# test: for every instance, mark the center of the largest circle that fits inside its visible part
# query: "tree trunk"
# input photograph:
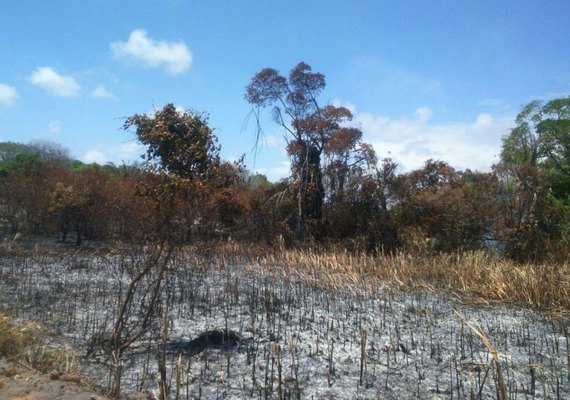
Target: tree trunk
(310, 190)
(78, 233)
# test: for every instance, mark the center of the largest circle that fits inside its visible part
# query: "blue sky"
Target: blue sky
(424, 79)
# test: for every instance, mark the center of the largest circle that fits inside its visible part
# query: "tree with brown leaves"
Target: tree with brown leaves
(309, 128)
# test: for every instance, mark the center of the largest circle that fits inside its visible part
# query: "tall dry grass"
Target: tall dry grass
(24, 342)
(15, 338)
(476, 276)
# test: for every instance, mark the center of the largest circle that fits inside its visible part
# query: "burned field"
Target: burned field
(225, 327)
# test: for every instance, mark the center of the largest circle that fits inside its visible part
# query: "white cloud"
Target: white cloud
(276, 173)
(55, 127)
(412, 141)
(127, 152)
(95, 156)
(174, 56)
(8, 95)
(101, 92)
(349, 106)
(48, 79)
(273, 141)
(423, 114)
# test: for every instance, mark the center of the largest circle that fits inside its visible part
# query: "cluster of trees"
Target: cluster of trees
(338, 191)
(184, 189)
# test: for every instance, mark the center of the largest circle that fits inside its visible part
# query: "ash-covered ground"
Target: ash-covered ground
(272, 335)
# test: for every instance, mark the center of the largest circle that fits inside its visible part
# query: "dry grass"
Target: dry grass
(25, 343)
(15, 338)
(475, 276)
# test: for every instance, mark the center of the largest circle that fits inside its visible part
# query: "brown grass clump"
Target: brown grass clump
(15, 338)
(477, 276)
(24, 343)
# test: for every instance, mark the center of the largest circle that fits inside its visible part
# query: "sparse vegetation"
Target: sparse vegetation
(28, 343)
(15, 339)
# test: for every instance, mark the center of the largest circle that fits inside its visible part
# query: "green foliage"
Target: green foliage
(542, 137)
(521, 146)
(559, 185)
(554, 131)
(9, 150)
(6, 167)
(76, 165)
(181, 143)
(535, 177)
(37, 154)
(256, 180)
(22, 163)
(45, 151)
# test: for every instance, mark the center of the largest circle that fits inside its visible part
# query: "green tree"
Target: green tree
(256, 180)
(178, 142)
(554, 130)
(535, 178)
(43, 150)
(183, 160)
(521, 146)
(541, 138)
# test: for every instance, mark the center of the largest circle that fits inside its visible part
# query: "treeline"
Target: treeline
(338, 192)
